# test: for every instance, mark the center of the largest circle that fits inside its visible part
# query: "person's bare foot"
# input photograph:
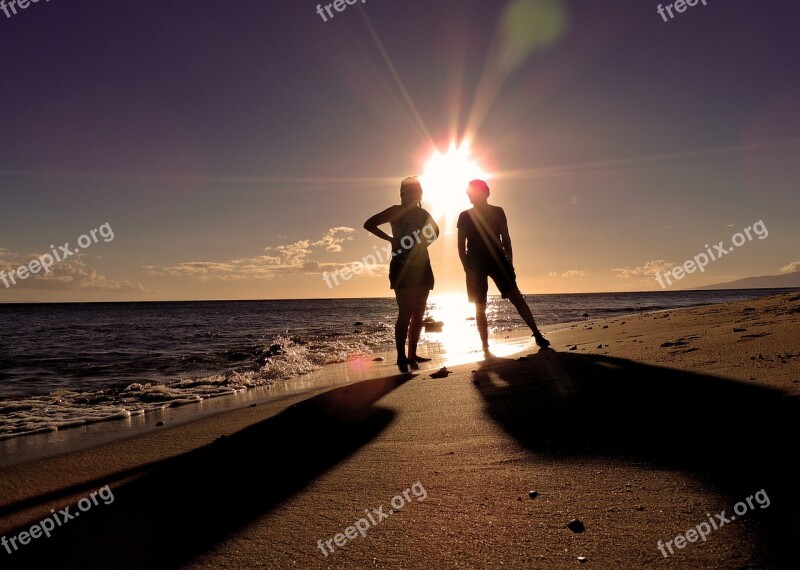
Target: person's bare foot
(541, 342)
(417, 359)
(487, 354)
(402, 365)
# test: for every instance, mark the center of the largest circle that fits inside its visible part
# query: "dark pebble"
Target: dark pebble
(159, 424)
(574, 347)
(533, 494)
(576, 525)
(442, 373)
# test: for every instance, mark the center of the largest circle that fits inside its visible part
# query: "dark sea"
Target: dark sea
(67, 365)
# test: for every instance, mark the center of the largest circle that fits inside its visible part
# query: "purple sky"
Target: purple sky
(232, 146)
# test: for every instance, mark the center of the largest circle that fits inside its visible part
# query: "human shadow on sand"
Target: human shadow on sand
(183, 506)
(732, 435)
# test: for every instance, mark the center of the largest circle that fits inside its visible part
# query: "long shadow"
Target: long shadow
(185, 505)
(738, 437)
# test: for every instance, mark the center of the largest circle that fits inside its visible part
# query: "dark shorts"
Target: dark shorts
(410, 275)
(502, 274)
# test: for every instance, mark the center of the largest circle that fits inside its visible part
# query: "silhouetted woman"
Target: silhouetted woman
(410, 273)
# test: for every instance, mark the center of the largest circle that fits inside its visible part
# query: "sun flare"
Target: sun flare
(445, 178)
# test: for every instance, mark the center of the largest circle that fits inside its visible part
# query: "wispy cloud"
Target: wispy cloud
(334, 238)
(791, 268)
(292, 258)
(68, 275)
(648, 269)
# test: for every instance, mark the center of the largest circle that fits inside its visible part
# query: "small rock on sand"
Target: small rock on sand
(441, 373)
(576, 525)
(379, 359)
(533, 494)
(574, 347)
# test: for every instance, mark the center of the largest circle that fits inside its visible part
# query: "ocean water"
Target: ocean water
(66, 365)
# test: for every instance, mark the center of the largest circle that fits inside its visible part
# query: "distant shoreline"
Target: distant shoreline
(654, 291)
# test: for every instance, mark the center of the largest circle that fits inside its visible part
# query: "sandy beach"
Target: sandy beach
(641, 427)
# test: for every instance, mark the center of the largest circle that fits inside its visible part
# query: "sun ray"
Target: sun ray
(367, 181)
(423, 129)
(567, 169)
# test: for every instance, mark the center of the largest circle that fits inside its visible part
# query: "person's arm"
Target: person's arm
(430, 223)
(462, 247)
(372, 224)
(505, 238)
(507, 243)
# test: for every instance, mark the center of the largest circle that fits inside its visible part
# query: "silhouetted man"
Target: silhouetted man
(484, 247)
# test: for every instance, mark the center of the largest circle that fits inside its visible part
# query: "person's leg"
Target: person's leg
(483, 325)
(524, 311)
(404, 305)
(420, 302)
(477, 292)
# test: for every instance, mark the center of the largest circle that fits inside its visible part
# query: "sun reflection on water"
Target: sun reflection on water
(459, 342)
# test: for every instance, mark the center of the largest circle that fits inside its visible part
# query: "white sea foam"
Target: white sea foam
(64, 409)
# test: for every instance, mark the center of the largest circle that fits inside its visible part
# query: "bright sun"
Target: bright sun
(445, 179)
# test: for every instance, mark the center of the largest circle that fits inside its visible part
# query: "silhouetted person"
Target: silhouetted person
(484, 247)
(410, 273)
